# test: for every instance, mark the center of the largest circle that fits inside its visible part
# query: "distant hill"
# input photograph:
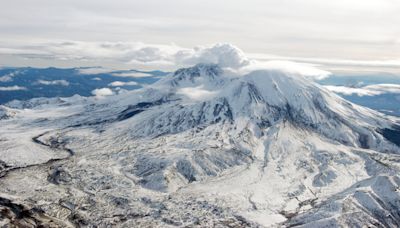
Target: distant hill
(26, 83)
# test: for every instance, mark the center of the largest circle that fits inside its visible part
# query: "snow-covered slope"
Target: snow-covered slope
(204, 146)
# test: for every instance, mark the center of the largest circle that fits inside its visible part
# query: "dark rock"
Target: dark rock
(59, 176)
(392, 135)
(133, 110)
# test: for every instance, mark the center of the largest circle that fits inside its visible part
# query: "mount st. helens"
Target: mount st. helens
(204, 146)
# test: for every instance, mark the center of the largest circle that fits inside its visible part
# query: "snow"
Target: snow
(6, 112)
(205, 145)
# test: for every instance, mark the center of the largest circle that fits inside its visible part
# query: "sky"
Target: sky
(341, 35)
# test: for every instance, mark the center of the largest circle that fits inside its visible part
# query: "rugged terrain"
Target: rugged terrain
(204, 146)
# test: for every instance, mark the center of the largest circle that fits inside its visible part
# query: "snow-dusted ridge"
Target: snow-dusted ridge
(264, 148)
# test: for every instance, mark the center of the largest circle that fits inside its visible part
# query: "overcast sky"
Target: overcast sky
(91, 32)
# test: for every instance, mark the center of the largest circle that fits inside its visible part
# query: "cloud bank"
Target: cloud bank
(164, 57)
(307, 70)
(12, 88)
(370, 90)
(132, 54)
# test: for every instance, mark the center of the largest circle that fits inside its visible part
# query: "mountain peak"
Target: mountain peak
(191, 74)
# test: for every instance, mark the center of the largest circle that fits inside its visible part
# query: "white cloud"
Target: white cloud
(132, 74)
(370, 90)
(330, 61)
(119, 83)
(8, 77)
(387, 88)
(389, 65)
(102, 92)
(94, 70)
(12, 88)
(350, 91)
(197, 93)
(307, 70)
(135, 54)
(170, 56)
(223, 54)
(55, 82)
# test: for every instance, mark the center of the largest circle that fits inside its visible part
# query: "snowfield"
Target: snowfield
(203, 147)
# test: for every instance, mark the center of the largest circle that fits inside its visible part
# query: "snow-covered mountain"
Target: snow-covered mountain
(202, 147)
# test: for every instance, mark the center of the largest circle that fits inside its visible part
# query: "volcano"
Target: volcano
(205, 146)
